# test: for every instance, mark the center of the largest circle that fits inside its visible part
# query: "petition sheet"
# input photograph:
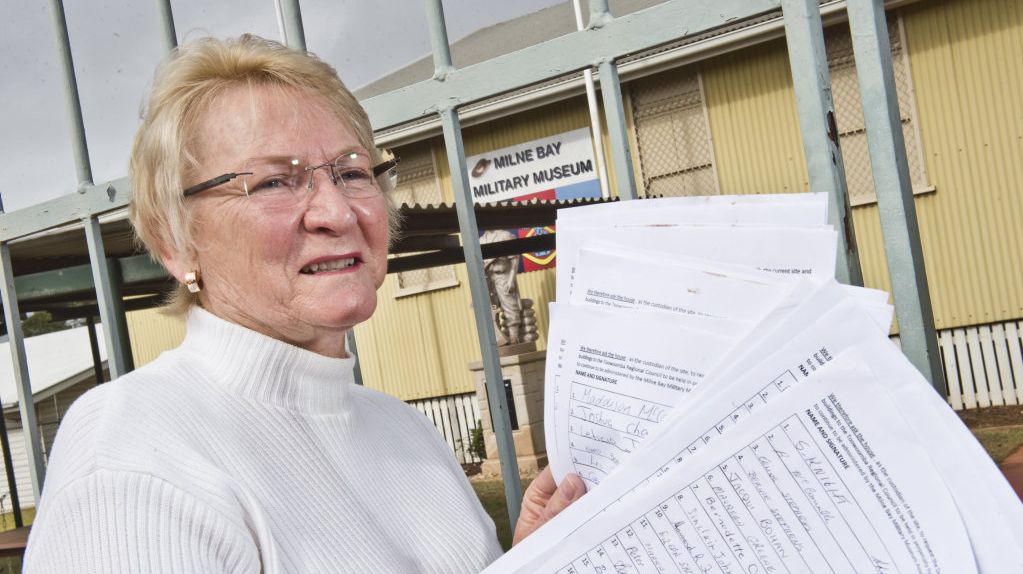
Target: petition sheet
(786, 207)
(687, 288)
(685, 285)
(790, 350)
(610, 383)
(825, 480)
(740, 213)
(989, 506)
(801, 251)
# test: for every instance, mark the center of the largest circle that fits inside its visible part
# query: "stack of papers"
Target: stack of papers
(732, 408)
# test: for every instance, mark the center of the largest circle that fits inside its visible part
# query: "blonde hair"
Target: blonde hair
(164, 153)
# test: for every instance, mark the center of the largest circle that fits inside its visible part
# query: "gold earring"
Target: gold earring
(192, 281)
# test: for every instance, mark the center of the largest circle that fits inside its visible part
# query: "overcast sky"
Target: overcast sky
(116, 45)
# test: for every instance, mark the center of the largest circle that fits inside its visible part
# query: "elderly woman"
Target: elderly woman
(248, 448)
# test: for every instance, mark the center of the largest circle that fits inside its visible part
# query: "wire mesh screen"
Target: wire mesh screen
(849, 112)
(418, 185)
(672, 136)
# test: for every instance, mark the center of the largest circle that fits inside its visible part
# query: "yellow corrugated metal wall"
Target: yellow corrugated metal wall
(757, 142)
(420, 345)
(967, 63)
(752, 114)
(965, 57)
(151, 333)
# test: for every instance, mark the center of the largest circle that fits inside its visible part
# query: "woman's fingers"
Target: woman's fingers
(568, 492)
(544, 499)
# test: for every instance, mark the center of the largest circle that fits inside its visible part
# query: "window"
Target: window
(676, 156)
(849, 113)
(417, 185)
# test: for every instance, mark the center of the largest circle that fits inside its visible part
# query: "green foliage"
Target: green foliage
(477, 446)
(41, 322)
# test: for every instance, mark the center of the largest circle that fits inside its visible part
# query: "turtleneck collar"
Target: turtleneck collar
(265, 370)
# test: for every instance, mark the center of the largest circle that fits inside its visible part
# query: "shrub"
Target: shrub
(477, 446)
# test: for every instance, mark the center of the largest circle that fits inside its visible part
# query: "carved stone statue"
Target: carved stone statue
(514, 318)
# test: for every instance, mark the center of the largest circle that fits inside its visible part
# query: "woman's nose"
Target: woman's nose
(328, 209)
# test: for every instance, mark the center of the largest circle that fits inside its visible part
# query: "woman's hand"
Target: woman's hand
(544, 499)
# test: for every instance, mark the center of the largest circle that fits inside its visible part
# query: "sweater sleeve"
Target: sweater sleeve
(123, 522)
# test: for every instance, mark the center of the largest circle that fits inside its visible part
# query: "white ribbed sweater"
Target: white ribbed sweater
(239, 453)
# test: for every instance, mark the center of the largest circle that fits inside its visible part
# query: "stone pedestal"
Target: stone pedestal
(526, 373)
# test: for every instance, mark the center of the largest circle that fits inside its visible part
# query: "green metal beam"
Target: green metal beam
(72, 282)
(70, 208)
(611, 39)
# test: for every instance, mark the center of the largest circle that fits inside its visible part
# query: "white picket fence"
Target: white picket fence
(454, 416)
(983, 364)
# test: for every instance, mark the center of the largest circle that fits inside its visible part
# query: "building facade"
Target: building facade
(718, 116)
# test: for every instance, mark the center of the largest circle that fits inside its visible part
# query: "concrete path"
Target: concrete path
(1012, 468)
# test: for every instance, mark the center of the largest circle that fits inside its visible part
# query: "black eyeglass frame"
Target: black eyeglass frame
(378, 170)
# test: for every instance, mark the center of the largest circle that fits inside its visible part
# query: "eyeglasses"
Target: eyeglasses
(282, 180)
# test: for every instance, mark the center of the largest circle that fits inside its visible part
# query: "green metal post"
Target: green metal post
(111, 314)
(354, 350)
(5, 445)
(74, 105)
(894, 189)
(474, 265)
(600, 14)
(26, 404)
(614, 112)
(170, 35)
(111, 310)
(12, 482)
(809, 63)
(294, 33)
(481, 310)
(97, 361)
(438, 39)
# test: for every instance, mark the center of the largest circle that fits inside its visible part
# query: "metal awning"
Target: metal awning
(429, 234)
(53, 272)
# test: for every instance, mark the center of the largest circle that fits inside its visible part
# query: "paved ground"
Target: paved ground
(1012, 468)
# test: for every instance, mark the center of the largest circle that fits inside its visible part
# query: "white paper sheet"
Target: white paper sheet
(681, 286)
(786, 208)
(989, 506)
(664, 281)
(794, 214)
(810, 331)
(826, 480)
(806, 251)
(610, 383)
(810, 444)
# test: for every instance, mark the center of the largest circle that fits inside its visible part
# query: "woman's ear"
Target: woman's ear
(177, 264)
